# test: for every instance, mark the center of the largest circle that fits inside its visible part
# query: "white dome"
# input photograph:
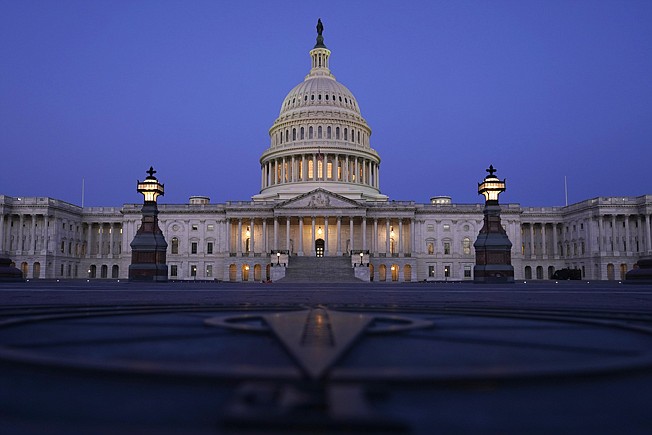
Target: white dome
(320, 93)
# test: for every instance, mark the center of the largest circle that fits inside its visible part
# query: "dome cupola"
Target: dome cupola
(320, 139)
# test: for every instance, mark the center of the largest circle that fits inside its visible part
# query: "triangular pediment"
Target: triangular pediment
(319, 198)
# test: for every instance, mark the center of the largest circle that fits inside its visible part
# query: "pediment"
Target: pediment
(319, 198)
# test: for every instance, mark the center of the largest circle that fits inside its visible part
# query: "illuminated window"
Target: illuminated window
(447, 227)
(210, 227)
(209, 270)
(466, 245)
(329, 170)
(447, 271)
(193, 270)
(467, 271)
(431, 248)
(430, 227)
(310, 170)
(320, 169)
(301, 170)
(431, 271)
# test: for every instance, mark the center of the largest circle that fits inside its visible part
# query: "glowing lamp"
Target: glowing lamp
(361, 256)
(150, 187)
(248, 233)
(319, 231)
(491, 186)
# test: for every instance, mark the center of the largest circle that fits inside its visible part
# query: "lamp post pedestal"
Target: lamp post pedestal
(493, 250)
(148, 249)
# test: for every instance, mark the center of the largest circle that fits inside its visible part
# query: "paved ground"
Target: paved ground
(109, 357)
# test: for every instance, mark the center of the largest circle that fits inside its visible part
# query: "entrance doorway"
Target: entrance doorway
(319, 247)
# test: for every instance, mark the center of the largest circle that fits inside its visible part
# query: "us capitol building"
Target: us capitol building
(320, 197)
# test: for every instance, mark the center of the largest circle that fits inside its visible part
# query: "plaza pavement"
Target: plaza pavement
(121, 357)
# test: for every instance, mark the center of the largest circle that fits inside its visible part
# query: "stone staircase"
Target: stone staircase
(319, 269)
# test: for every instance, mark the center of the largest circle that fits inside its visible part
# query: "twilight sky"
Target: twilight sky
(100, 90)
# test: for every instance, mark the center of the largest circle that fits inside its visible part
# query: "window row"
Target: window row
(320, 97)
(302, 133)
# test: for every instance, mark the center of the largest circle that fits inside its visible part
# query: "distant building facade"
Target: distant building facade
(320, 196)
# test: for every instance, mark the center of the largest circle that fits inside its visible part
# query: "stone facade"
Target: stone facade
(320, 190)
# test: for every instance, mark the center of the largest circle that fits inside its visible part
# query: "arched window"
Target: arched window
(528, 272)
(352, 135)
(294, 134)
(319, 97)
(302, 133)
(309, 132)
(358, 136)
(287, 135)
(345, 134)
(328, 132)
(319, 132)
(337, 132)
(326, 97)
(175, 245)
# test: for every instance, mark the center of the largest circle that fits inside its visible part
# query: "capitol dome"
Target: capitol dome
(320, 140)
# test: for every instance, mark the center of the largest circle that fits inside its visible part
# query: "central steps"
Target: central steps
(319, 269)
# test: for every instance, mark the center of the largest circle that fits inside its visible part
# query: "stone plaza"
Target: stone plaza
(203, 357)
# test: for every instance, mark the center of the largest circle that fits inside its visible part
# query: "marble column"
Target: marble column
(326, 236)
(264, 237)
(101, 232)
(387, 237)
(339, 235)
(627, 245)
(312, 238)
(351, 234)
(2, 233)
(648, 241)
(89, 242)
(300, 236)
(412, 237)
(252, 245)
(275, 233)
(614, 234)
(400, 238)
(20, 233)
(532, 248)
(32, 236)
(239, 246)
(364, 233)
(228, 235)
(111, 240)
(287, 234)
(375, 237)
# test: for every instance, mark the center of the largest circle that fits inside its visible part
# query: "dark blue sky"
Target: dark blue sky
(101, 90)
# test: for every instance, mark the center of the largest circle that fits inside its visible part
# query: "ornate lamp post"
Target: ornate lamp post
(361, 257)
(493, 257)
(148, 249)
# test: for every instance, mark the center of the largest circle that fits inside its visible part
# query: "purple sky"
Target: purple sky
(101, 90)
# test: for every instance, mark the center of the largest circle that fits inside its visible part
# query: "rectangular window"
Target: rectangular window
(431, 227)
(173, 270)
(69, 270)
(310, 170)
(193, 270)
(329, 170)
(467, 271)
(447, 271)
(193, 247)
(447, 248)
(447, 227)
(194, 227)
(63, 248)
(301, 169)
(320, 169)
(209, 270)
(431, 271)
(210, 227)
(339, 172)
(209, 248)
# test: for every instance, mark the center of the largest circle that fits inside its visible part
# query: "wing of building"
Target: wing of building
(320, 197)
